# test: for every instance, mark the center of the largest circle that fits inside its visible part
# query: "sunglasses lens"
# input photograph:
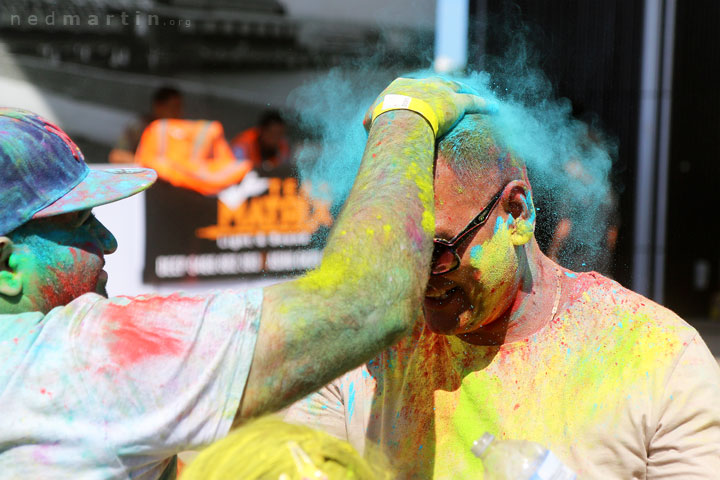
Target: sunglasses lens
(443, 259)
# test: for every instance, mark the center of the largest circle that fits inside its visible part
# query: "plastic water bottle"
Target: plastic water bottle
(518, 460)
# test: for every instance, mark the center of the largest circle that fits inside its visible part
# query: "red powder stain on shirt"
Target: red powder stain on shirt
(517, 405)
(133, 339)
(134, 342)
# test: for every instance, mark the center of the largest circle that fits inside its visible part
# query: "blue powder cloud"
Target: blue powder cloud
(568, 162)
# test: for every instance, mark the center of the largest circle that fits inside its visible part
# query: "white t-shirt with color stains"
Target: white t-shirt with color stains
(616, 386)
(113, 388)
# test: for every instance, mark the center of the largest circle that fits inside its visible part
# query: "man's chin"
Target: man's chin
(441, 326)
(451, 324)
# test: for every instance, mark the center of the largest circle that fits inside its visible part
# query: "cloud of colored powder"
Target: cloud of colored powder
(568, 161)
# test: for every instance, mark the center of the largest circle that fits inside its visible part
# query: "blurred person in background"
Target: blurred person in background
(269, 448)
(265, 145)
(167, 102)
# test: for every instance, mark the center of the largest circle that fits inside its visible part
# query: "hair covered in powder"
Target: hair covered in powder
(478, 157)
(530, 124)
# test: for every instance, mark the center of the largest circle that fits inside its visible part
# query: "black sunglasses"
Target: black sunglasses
(444, 258)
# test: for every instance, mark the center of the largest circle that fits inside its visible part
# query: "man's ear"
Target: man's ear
(517, 202)
(10, 278)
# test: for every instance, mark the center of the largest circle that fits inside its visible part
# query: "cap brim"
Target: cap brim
(100, 187)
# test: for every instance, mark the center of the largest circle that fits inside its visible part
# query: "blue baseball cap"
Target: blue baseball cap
(43, 173)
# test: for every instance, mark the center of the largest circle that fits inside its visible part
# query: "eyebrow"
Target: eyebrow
(489, 206)
(447, 234)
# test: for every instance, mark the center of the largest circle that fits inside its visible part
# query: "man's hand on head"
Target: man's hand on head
(446, 100)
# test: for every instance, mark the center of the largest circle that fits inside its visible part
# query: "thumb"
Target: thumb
(476, 104)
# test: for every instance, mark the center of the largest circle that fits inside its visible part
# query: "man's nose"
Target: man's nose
(107, 239)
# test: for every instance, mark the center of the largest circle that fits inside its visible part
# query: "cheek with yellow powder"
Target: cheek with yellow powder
(492, 261)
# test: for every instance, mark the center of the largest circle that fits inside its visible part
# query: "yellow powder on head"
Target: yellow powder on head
(269, 448)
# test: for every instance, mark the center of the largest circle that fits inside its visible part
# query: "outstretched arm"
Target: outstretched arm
(367, 290)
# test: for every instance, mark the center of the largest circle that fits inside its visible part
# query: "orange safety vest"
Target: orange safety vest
(191, 154)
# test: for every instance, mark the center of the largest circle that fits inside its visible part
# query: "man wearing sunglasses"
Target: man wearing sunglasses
(512, 344)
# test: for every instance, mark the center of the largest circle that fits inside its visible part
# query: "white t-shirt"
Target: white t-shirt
(113, 388)
(616, 386)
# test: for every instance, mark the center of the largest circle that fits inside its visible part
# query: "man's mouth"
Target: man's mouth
(443, 304)
(440, 294)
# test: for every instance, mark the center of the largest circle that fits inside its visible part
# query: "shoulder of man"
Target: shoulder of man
(612, 302)
(632, 329)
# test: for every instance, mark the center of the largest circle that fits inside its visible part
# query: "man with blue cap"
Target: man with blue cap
(96, 387)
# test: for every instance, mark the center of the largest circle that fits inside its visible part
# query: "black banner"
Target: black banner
(264, 226)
